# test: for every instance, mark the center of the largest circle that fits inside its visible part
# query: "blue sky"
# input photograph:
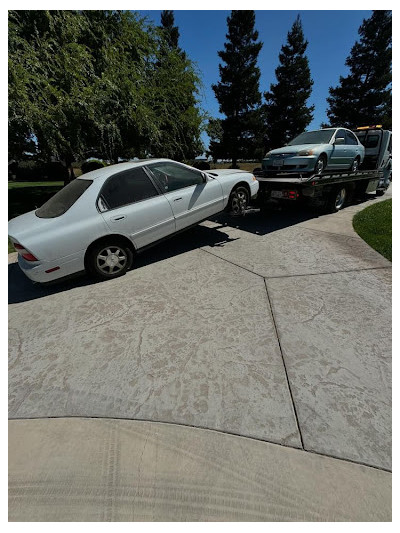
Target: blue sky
(330, 34)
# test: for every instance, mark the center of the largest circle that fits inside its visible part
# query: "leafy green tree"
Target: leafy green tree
(364, 97)
(287, 113)
(174, 96)
(238, 91)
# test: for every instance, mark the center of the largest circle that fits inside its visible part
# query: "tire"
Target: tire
(336, 200)
(380, 192)
(238, 201)
(109, 259)
(355, 165)
(320, 165)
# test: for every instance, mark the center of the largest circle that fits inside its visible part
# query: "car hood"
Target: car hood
(224, 172)
(25, 226)
(294, 149)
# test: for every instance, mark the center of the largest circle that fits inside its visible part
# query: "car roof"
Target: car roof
(105, 172)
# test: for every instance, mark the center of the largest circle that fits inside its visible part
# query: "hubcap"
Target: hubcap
(340, 198)
(320, 166)
(111, 260)
(239, 202)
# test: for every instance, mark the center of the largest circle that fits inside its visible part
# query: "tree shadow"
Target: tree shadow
(21, 289)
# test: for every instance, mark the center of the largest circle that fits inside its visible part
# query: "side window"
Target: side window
(350, 138)
(171, 177)
(127, 187)
(340, 133)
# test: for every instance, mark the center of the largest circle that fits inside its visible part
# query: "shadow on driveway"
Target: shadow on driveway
(21, 289)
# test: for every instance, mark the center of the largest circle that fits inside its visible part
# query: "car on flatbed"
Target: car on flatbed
(317, 151)
(100, 220)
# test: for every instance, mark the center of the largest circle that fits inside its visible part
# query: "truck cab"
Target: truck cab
(378, 149)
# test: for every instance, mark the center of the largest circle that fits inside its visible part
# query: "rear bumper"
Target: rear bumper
(36, 271)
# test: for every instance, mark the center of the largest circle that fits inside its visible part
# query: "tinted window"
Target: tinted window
(312, 137)
(341, 134)
(372, 140)
(63, 199)
(361, 136)
(351, 138)
(171, 177)
(127, 187)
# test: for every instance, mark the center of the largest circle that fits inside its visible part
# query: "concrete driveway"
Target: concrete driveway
(276, 328)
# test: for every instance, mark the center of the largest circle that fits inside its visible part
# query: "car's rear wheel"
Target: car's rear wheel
(355, 165)
(109, 259)
(320, 165)
(238, 201)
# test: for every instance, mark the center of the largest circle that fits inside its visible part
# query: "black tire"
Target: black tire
(238, 201)
(380, 192)
(320, 165)
(109, 259)
(336, 200)
(355, 165)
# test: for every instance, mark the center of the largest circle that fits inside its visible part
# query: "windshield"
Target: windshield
(313, 137)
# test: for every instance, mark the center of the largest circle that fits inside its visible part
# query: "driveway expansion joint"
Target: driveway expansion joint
(284, 364)
(203, 428)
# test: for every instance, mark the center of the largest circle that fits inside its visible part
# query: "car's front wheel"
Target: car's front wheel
(238, 201)
(320, 164)
(109, 259)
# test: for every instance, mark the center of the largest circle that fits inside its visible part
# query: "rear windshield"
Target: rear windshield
(313, 137)
(63, 199)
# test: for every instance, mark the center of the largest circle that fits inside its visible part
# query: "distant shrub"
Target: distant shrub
(94, 164)
(55, 171)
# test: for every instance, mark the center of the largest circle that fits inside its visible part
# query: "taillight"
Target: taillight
(24, 253)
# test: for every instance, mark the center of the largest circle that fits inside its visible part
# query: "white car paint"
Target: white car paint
(62, 241)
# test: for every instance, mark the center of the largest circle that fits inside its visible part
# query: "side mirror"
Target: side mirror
(339, 140)
(204, 176)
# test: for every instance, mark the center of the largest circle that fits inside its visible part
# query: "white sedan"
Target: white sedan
(101, 220)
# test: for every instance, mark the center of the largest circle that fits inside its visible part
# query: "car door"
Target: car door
(131, 205)
(339, 156)
(193, 196)
(353, 147)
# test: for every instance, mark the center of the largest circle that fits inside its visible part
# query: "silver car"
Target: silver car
(101, 220)
(316, 151)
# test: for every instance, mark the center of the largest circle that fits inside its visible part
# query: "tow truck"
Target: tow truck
(332, 190)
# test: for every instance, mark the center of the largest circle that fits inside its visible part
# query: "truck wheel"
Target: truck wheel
(336, 200)
(238, 201)
(320, 164)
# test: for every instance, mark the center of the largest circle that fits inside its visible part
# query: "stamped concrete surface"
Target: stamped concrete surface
(123, 470)
(272, 327)
(187, 339)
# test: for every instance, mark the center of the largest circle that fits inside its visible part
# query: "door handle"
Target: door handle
(117, 218)
(177, 199)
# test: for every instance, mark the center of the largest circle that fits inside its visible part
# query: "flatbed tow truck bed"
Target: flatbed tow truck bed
(330, 189)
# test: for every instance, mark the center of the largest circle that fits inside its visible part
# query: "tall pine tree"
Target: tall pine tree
(287, 113)
(170, 31)
(238, 92)
(364, 96)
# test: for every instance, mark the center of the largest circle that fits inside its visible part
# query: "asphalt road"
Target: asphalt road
(276, 328)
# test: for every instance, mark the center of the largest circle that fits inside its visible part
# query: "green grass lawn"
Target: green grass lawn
(374, 225)
(26, 196)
